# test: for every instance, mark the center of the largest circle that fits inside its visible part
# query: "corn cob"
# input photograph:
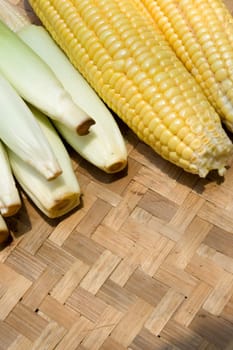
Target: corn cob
(128, 62)
(201, 34)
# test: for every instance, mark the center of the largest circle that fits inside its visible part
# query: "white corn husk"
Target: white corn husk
(21, 133)
(104, 146)
(36, 82)
(58, 196)
(10, 201)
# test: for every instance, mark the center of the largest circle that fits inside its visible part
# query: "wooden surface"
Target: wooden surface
(146, 263)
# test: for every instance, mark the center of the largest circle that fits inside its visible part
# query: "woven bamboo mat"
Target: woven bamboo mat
(146, 263)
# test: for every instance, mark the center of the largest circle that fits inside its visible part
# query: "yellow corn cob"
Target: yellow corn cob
(201, 34)
(132, 67)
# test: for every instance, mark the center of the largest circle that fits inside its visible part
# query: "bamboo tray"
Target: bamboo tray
(145, 263)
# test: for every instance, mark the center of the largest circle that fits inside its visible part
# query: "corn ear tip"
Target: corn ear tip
(53, 175)
(10, 211)
(64, 207)
(84, 127)
(116, 167)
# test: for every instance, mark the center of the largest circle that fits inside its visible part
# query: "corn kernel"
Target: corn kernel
(131, 66)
